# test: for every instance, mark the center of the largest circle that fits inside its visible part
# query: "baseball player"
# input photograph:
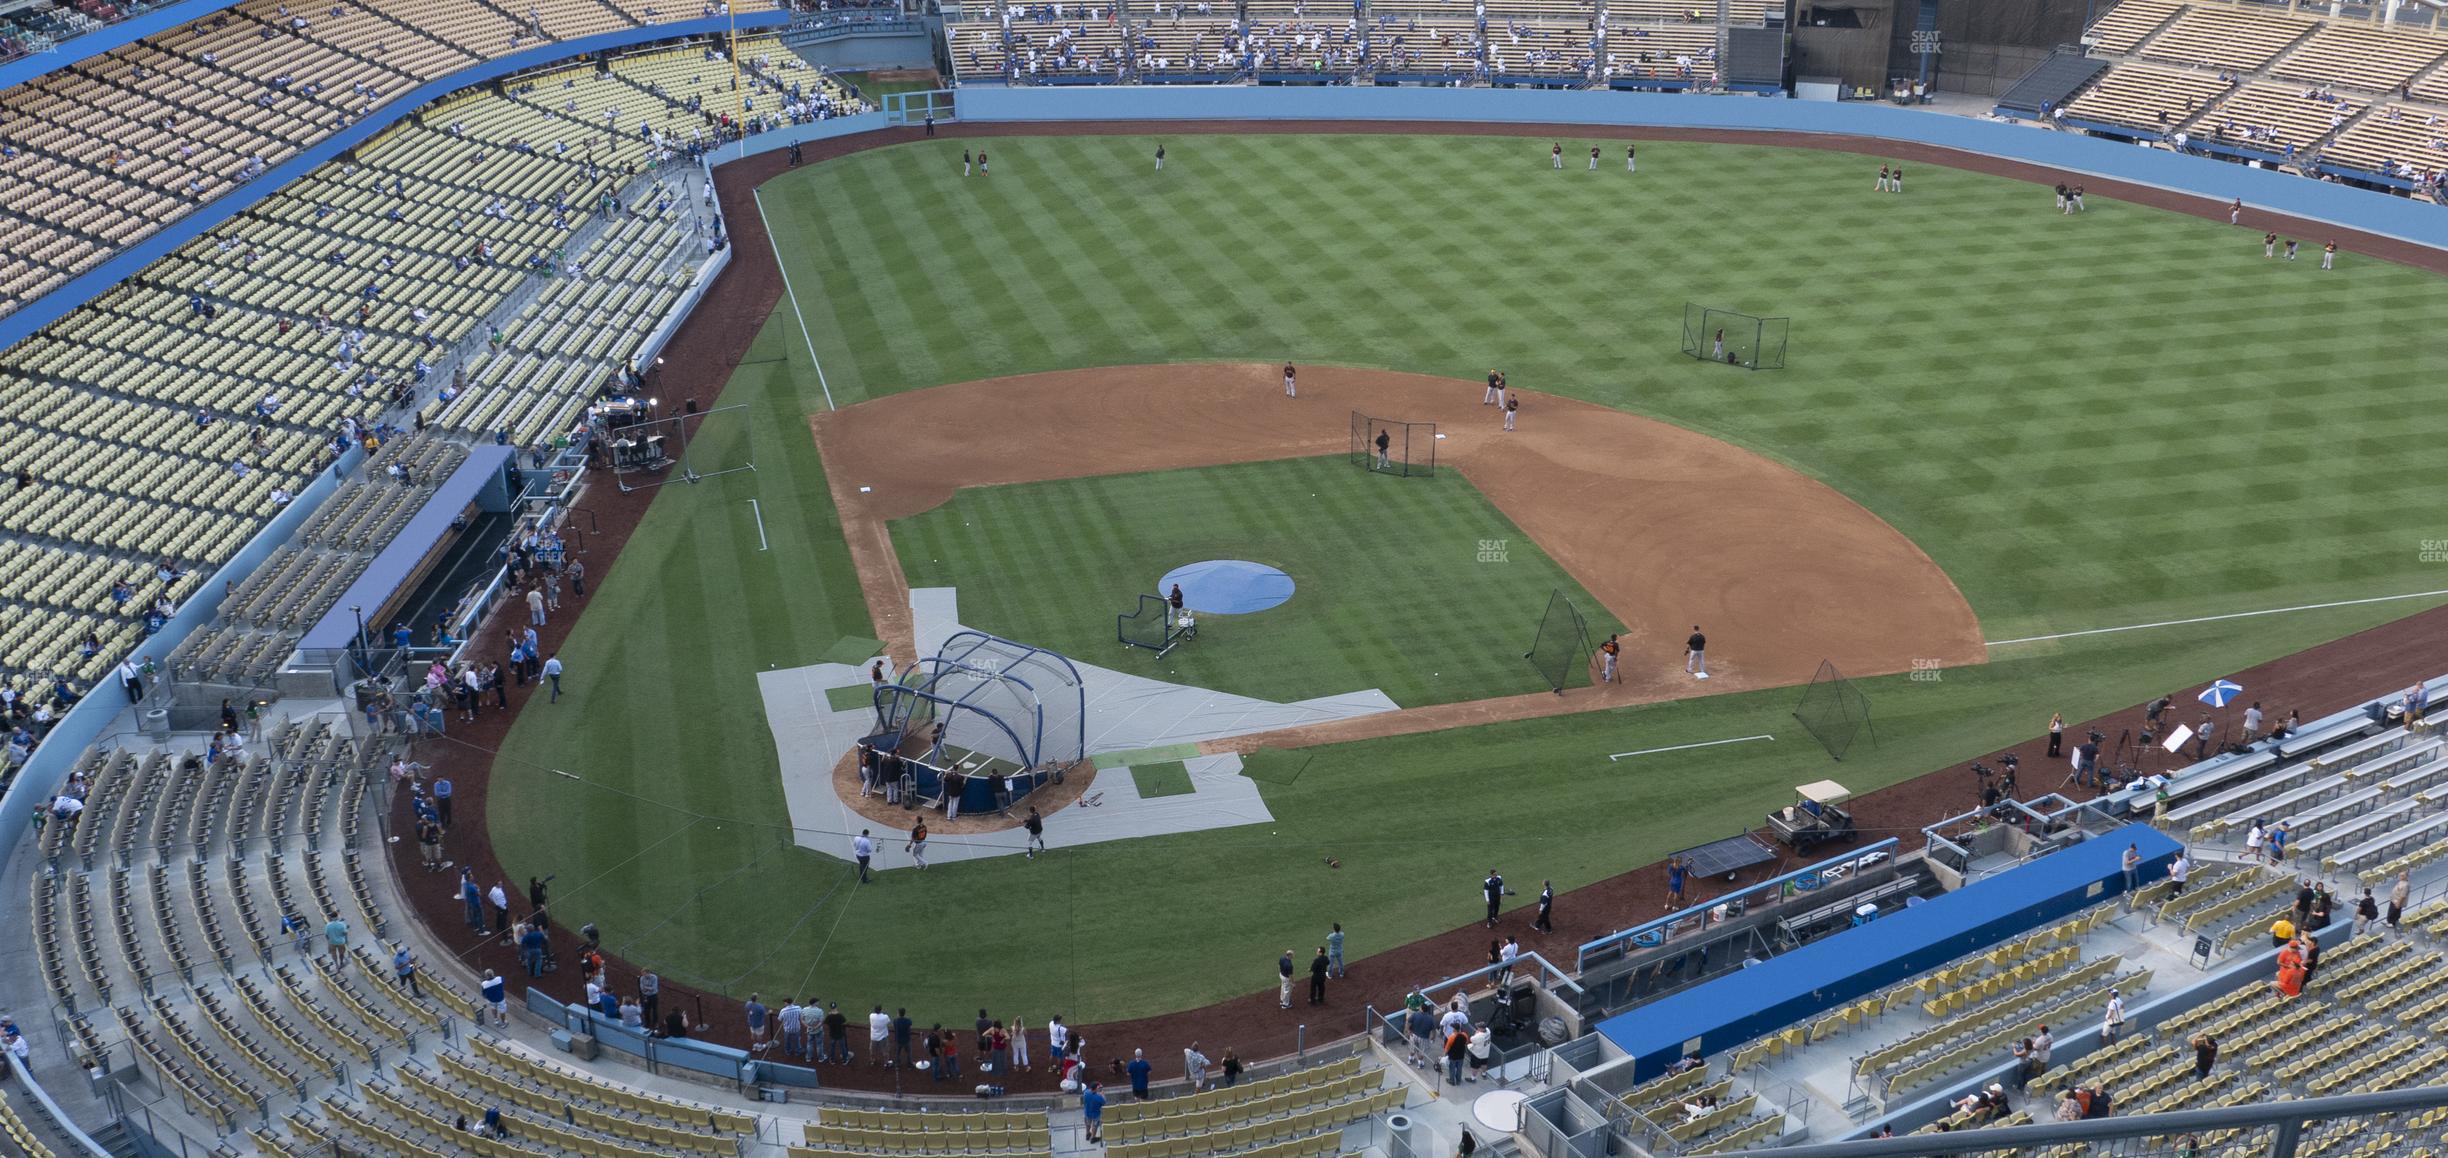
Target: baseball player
(2329, 255)
(2062, 194)
(1717, 350)
(1607, 653)
(2078, 205)
(1160, 156)
(2290, 249)
(967, 162)
(1631, 154)
(2235, 212)
(1558, 154)
(2269, 244)
(1290, 390)
(1384, 441)
(1593, 158)
(1695, 653)
(1495, 390)
(1895, 184)
(981, 162)
(1882, 181)
(1512, 406)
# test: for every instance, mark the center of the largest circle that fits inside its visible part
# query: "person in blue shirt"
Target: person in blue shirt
(1092, 1108)
(404, 969)
(401, 637)
(442, 801)
(473, 898)
(1139, 1070)
(531, 951)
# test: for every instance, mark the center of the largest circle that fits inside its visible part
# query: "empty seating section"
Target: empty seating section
(2274, 118)
(1659, 39)
(2367, 1022)
(2398, 140)
(165, 419)
(2147, 97)
(2217, 36)
(2125, 25)
(2360, 56)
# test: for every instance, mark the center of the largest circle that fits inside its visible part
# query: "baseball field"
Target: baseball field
(1999, 425)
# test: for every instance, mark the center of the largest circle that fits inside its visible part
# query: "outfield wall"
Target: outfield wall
(2407, 220)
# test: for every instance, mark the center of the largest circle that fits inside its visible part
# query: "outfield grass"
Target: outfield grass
(2111, 418)
(1392, 589)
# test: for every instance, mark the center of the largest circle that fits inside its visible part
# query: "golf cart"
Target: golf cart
(1818, 816)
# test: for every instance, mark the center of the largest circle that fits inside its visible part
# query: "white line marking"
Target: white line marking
(759, 512)
(1680, 747)
(2216, 618)
(794, 295)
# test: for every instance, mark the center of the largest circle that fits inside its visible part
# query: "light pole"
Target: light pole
(359, 612)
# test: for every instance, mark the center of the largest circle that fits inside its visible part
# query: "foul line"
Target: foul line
(759, 512)
(779, 268)
(1680, 747)
(2216, 618)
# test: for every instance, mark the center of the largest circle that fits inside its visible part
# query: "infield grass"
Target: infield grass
(1394, 586)
(2117, 417)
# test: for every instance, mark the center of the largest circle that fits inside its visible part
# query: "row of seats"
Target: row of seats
(1292, 1101)
(1227, 1097)
(1307, 1132)
(386, 246)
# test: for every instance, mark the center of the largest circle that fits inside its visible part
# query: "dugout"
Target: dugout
(1791, 987)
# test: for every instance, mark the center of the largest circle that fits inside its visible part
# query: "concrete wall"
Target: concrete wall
(860, 51)
(2380, 213)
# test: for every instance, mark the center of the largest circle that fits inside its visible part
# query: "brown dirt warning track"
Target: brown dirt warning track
(1666, 527)
(717, 334)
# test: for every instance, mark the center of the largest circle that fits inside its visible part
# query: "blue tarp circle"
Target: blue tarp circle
(1227, 586)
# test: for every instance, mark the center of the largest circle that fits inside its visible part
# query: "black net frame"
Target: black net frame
(1410, 450)
(1735, 339)
(1561, 649)
(1834, 711)
(1150, 626)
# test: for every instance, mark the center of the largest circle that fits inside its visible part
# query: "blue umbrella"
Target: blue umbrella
(2219, 694)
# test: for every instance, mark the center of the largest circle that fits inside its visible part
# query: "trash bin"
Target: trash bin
(1398, 1127)
(157, 722)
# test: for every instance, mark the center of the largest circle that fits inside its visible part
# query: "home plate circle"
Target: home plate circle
(1227, 586)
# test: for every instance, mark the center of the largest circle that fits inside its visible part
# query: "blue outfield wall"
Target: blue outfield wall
(1834, 970)
(131, 261)
(2076, 155)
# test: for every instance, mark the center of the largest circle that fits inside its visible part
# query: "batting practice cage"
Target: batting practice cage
(1410, 447)
(1562, 648)
(1834, 711)
(1153, 626)
(1753, 343)
(984, 716)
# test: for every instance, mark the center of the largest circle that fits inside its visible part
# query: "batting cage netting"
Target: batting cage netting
(1562, 648)
(1834, 711)
(1404, 449)
(1753, 343)
(1152, 626)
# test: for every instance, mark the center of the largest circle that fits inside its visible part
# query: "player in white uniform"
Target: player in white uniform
(1558, 154)
(1631, 153)
(1495, 390)
(1290, 390)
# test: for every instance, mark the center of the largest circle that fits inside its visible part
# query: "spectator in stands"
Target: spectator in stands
(2398, 894)
(757, 1016)
(2205, 1054)
(2290, 980)
(2178, 870)
(2133, 868)
(1092, 1111)
(404, 969)
(632, 1014)
(2303, 902)
(650, 995)
(496, 997)
(1457, 1049)
(2069, 1105)
(2112, 1023)
(2311, 955)
(335, 941)
(1194, 1068)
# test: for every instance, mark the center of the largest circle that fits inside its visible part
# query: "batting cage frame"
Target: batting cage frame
(994, 697)
(1154, 626)
(1737, 339)
(1562, 646)
(1834, 711)
(1410, 450)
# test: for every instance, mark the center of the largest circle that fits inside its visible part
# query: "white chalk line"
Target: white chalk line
(2217, 618)
(1681, 747)
(759, 512)
(784, 270)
